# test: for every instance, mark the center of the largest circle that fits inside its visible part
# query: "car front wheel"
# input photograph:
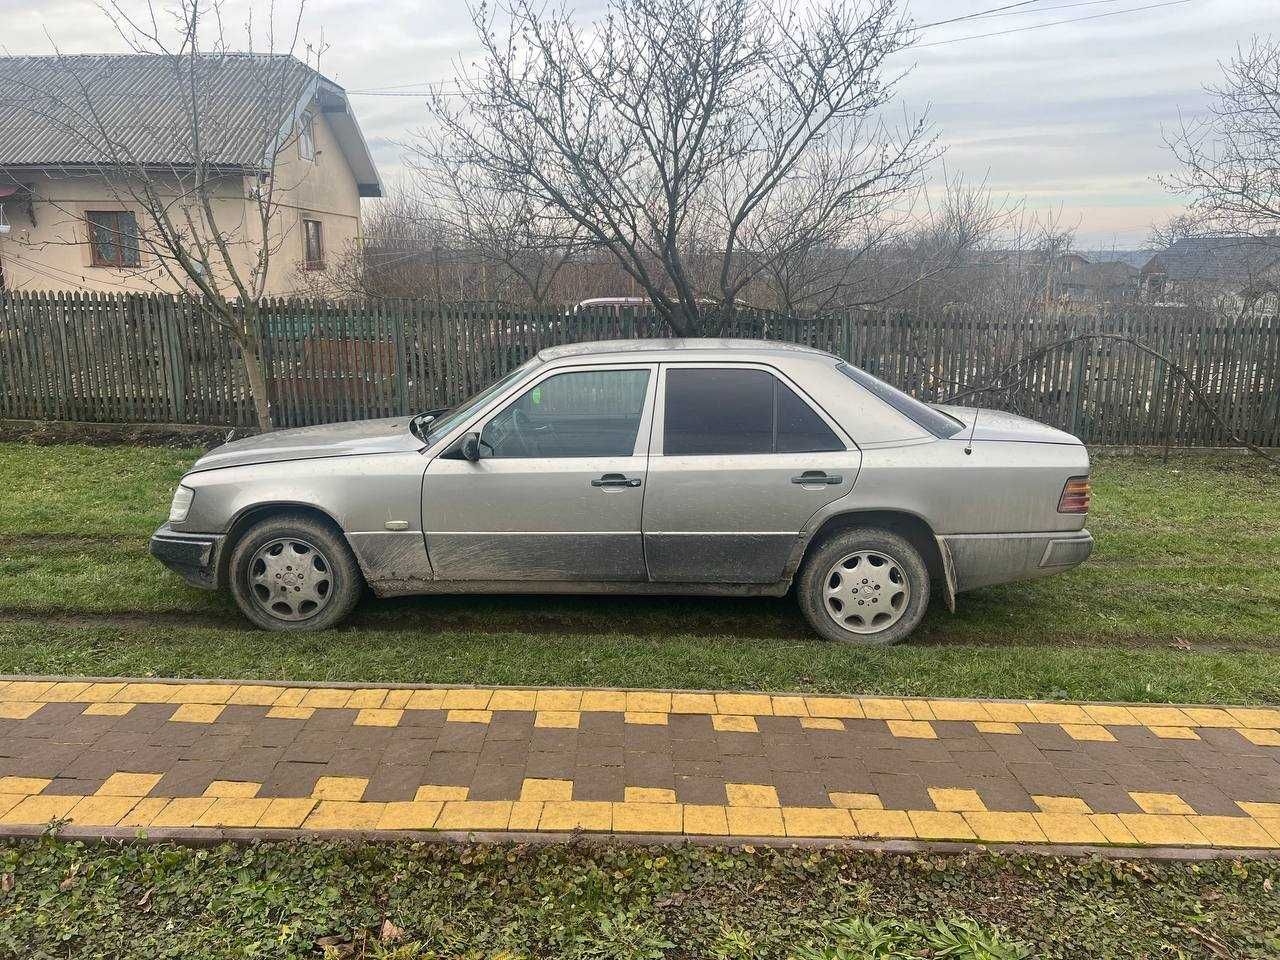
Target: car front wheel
(293, 573)
(864, 586)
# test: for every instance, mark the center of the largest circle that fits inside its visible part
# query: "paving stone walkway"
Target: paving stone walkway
(177, 758)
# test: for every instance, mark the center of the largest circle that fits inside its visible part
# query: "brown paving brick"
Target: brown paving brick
(946, 774)
(1043, 779)
(461, 737)
(187, 778)
(899, 791)
(700, 790)
(697, 768)
(599, 784)
(646, 738)
(691, 726)
(450, 768)
(1106, 798)
(543, 765)
(599, 723)
(590, 755)
(290, 779)
(745, 769)
(728, 743)
(553, 739)
(801, 790)
(504, 751)
(67, 786)
(391, 784)
(494, 781)
(1007, 796)
(510, 725)
(1014, 748)
(648, 770)
(794, 760)
(407, 751)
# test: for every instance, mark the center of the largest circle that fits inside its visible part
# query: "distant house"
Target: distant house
(1214, 270)
(66, 216)
(1075, 278)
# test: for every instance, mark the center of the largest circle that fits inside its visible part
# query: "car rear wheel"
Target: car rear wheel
(293, 573)
(865, 586)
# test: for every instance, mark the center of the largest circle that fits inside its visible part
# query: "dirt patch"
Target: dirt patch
(175, 436)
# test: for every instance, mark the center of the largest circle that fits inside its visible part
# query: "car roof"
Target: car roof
(684, 345)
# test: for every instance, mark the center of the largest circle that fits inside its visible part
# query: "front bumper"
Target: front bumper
(193, 556)
(984, 559)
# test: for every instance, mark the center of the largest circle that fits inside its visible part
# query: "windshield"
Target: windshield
(451, 418)
(932, 419)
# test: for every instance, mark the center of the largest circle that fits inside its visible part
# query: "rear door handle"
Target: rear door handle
(816, 477)
(615, 480)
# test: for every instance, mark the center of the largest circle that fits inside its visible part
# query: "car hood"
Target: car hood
(998, 425)
(391, 435)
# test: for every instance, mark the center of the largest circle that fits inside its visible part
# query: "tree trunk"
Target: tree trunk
(251, 353)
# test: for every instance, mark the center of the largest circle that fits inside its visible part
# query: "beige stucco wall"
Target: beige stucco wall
(53, 252)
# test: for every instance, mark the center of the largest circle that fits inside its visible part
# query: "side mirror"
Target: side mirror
(471, 446)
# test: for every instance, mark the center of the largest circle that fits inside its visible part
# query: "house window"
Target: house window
(113, 238)
(306, 138)
(312, 245)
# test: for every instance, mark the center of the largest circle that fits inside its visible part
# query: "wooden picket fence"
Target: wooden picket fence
(159, 359)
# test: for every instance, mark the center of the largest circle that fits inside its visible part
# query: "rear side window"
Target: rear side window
(932, 419)
(738, 411)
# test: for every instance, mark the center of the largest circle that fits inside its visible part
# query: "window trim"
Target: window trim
(307, 262)
(656, 447)
(118, 264)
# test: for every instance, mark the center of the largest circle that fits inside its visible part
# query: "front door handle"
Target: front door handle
(816, 477)
(615, 480)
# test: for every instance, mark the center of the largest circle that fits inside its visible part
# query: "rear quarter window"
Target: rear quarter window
(932, 419)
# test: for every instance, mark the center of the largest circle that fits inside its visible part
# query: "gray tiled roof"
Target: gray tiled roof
(1217, 258)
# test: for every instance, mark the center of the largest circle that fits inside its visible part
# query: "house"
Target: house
(83, 138)
(1236, 271)
(1076, 278)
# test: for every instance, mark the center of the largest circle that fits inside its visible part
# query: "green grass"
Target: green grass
(66, 900)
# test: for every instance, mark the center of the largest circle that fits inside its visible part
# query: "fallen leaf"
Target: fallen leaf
(390, 933)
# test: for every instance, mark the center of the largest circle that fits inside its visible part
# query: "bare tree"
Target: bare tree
(683, 136)
(208, 171)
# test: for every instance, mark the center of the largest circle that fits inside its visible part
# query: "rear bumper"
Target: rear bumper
(193, 556)
(984, 559)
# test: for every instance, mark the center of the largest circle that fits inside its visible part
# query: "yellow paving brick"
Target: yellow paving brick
(734, 723)
(467, 699)
(1210, 717)
(203, 693)
(101, 811)
(1111, 714)
(959, 710)
(10, 800)
(1263, 811)
(234, 812)
(817, 822)
(345, 815)
(525, 815)
(647, 701)
(693, 703)
(536, 789)
(939, 825)
(100, 709)
(919, 709)
(1262, 737)
(27, 689)
(566, 719)
(286, 813)
(1272, 826)
(705, 820)
(255, 695)
(609, 701)
(757, 704)
(887, 824)
(1162, 830)
(66, 691)
(425, 700)
(512, 699)
(1255, 716)
(1006, 712)
(1232, 831)
(558, 700)
(18, 709)
(856, 801)
(182, 812)
(232, 788)
(1175, 733)
(33, 810)
(996, 726)
(368, 699)
(291, 696)
(23, 786)
(340, 788)
(1088, 731)
(1161, 803)
(1161, 716)
(956, 800)
(846, 708)
(291, 713)
(325, 698)
(789, 706)
(649, 795)
(755, 822)
(378, 717)
(1058, 713)
(633, 817)
(143, 811)
(397, 699)
(1112, 829)
(878, 708)
(1069, 828)
(751, 795)
(102, 692)
(475, 815)
(1060, 804)
(821, 723)
(469, 716)
(128, 784)
(410, 815)
(646, 718)
(1005, 827)
(197, 713)
(430, 791)
(913, 729)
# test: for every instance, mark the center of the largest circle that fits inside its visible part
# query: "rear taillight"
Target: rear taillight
(1075, 496)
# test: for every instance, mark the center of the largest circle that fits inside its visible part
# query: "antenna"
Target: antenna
(968, 447)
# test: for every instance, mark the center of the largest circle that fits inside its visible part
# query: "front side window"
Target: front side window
(113, 238)
(587, 413)
(730, 411)
(312, 245)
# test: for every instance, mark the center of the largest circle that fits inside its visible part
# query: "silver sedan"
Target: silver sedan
(713, 467)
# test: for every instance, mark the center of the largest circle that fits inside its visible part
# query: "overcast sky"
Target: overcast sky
(1067, 115)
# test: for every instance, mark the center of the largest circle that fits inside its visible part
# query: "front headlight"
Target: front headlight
(182, 498)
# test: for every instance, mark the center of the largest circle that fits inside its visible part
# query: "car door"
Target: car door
(740, 461)
(557, 491)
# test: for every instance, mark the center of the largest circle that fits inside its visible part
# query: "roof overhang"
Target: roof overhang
(335, 106)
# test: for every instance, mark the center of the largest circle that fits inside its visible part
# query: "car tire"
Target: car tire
(293, 573)
(878, 609)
